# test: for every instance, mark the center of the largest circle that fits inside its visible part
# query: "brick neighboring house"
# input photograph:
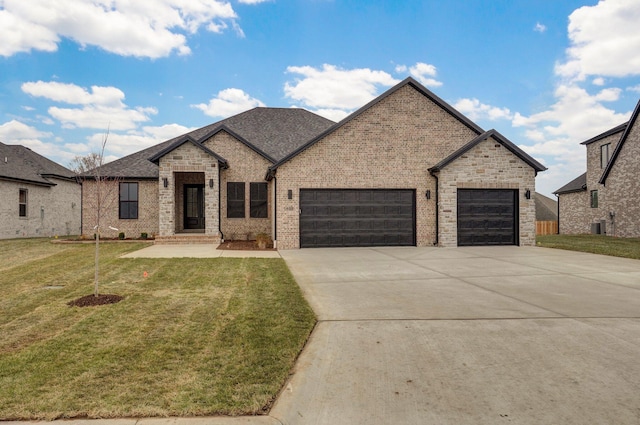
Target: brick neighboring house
(39, 197)
(405, 169)
(604, 199)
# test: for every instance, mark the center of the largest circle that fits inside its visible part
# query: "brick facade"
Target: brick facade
(488, 165)
(619, 195)
(392, 145)
(147, 221)
(245, 165)
(187, 164)
(574, 213)
(51, 210)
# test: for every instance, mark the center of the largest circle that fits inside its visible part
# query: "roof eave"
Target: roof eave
(623, 139)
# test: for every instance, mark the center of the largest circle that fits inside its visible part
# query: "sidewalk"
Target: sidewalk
(197, 251)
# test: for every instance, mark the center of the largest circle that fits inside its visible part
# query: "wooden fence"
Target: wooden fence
(546, 227)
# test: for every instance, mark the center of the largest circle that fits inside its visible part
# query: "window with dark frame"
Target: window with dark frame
(22, 203)
(258, 202)
(605, 154)
(235, 199)
(594, 199)
(128, 201)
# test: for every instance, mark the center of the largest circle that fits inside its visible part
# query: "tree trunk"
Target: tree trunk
(95, 279)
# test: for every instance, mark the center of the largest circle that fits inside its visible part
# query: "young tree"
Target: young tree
(100, 195)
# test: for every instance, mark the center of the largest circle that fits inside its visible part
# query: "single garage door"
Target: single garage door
(487, 217)
(357, 217)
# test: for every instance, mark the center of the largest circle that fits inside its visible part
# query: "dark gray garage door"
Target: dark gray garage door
(357, 217)
(487, 217)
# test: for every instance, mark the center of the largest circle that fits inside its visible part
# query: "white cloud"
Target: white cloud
(605, 41)
(634, 88)
(476, 110)
(540, 27)
(228, 102)
(252, 1)
(102, 107)
(422, 72)
(13, 131)
(599, 81)
(333, 88)
(153, 28)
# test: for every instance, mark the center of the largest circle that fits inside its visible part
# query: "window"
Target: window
(235, 200)
(128, 200)
(22, 203)
(594, 199)
(258, 200)
(605, 154)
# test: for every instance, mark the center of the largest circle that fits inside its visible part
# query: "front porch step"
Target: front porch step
(187, 239)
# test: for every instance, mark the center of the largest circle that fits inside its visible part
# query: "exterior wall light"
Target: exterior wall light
(211, 183)
(165, 182)
(428, 194)
(527, 194)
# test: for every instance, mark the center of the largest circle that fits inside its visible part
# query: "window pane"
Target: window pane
(23, 210)
(258, 200)
(235, 199)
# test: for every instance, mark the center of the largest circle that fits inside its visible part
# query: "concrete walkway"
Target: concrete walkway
(466, 336)
(196, 251)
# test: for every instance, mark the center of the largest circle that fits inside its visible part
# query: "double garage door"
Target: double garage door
(387, 217)
(357, 217)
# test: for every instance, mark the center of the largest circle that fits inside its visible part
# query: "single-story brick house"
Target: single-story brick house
(39, 197)
(405, 169)
(605, 198)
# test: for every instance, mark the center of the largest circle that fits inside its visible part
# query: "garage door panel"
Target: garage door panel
(357, 217)
(487, 217)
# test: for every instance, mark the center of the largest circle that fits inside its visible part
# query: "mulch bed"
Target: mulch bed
(92, 300)
(243, 246)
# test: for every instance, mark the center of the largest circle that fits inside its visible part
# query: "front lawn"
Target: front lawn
(596, 244)
(194, 337)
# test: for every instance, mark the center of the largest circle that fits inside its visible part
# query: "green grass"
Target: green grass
(597, 244)
(196, 337)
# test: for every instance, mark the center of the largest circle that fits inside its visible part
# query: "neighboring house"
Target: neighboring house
(605, 198)
(405, 169)
(39, 197)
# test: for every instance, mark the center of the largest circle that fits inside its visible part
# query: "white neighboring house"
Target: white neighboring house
(38, 197)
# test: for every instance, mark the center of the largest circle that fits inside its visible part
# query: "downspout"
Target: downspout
(437, 241)
(275, 212)
(558, 196)
(220, 204)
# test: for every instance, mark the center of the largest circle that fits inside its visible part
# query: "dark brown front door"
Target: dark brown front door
(194, 206)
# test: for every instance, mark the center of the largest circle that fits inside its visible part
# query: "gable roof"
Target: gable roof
(271, 132)
(614, 130)
(188, 139)
(623, 139)
(578, 184)
(546, 208)
(19, 163)
(484, 136)
(406, 82)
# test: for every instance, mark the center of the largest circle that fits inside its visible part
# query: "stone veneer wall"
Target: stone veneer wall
(187, 158)
(621, 192)
(245, 165)
(488, 165)
(146, 222)
(391, 145)
(574, 213)
(51, 210)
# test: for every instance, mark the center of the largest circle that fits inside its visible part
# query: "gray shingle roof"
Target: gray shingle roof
(614, 130)
(576, 185)
(22, 164)
(272, 132)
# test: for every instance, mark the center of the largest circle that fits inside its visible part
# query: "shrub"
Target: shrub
(143, 235)
(121, 235)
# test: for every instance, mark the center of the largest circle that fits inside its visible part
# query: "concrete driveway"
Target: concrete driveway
(466, 336)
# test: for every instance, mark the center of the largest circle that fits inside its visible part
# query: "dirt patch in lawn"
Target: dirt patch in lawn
(244, 246)
(94, 300)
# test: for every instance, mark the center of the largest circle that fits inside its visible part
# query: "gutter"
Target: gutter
(437, 211)
(220, 206)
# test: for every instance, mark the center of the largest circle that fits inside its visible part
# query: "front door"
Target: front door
(194, 206)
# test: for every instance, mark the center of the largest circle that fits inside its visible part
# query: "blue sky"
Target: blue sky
(547, 74)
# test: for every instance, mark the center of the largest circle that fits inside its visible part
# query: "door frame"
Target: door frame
(200, 204)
